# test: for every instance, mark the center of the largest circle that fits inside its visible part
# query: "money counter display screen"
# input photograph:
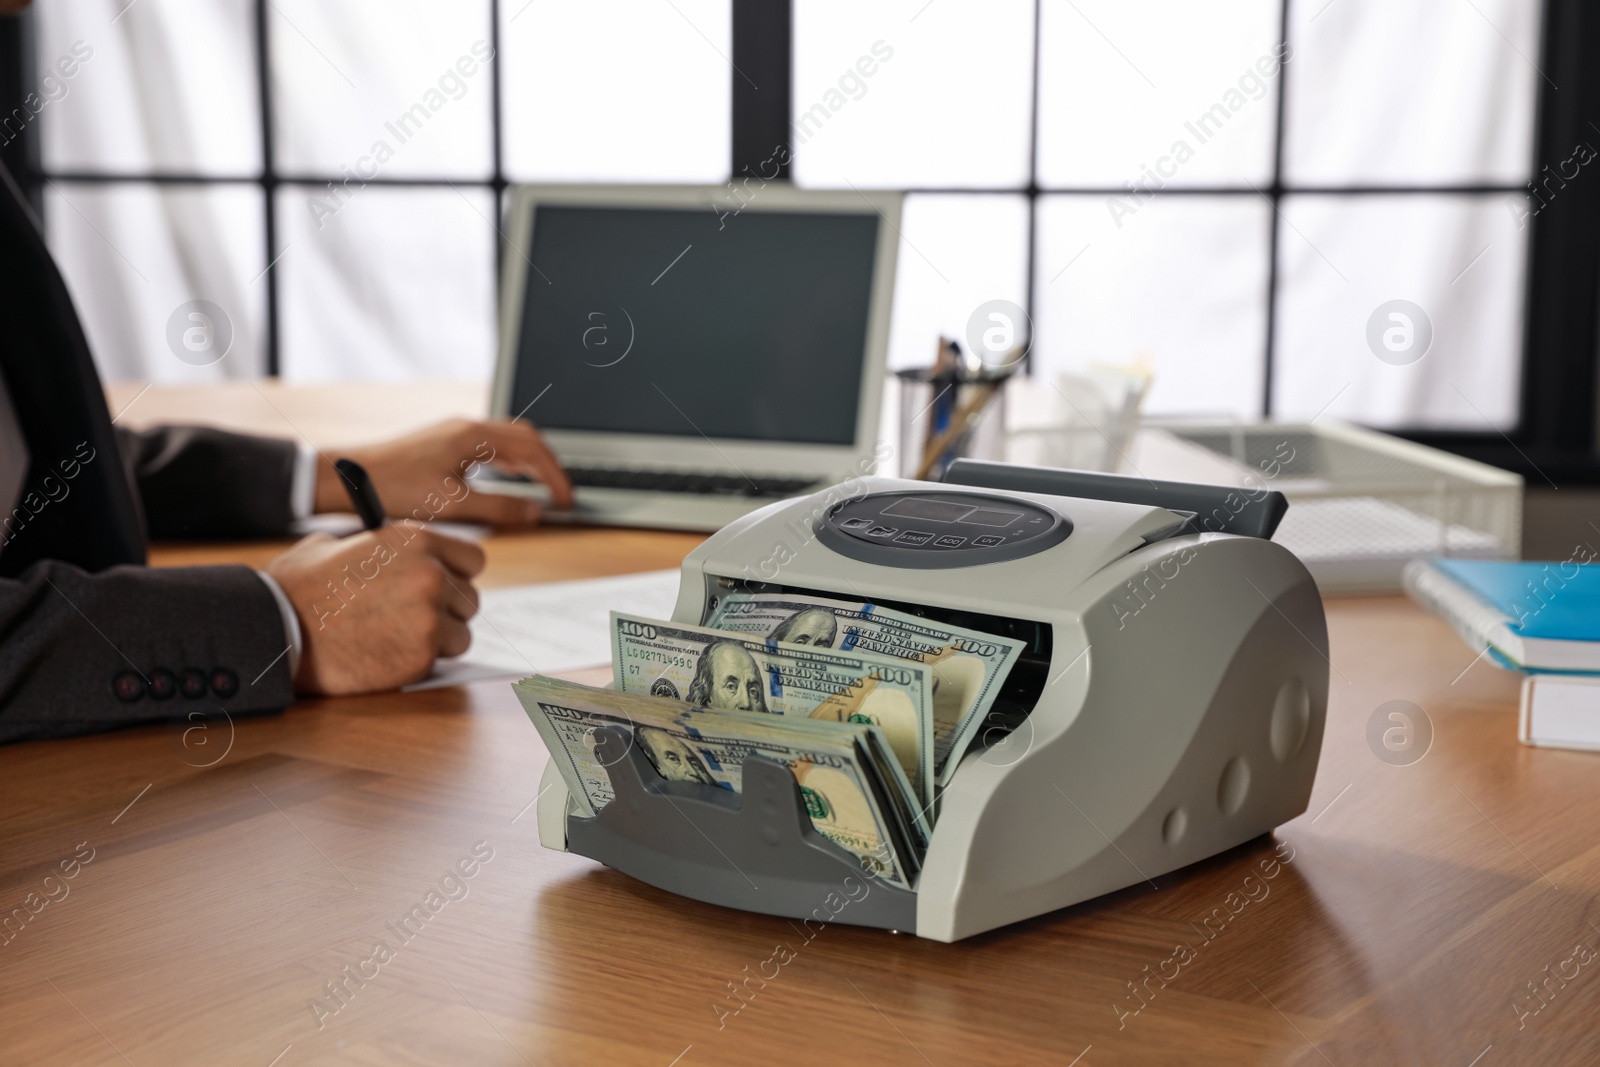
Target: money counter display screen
(696, 322)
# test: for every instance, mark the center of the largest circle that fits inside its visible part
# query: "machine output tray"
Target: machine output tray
(756, 851)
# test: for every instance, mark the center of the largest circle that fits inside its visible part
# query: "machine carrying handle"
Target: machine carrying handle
(1217, 508)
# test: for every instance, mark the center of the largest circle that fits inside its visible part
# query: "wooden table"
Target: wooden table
(220, 900)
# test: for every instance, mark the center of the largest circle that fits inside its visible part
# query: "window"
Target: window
(1158, 209)
(1239, 194)
(341, 207)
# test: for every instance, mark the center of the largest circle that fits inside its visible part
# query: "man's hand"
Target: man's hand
(421, 475)
(377, 608)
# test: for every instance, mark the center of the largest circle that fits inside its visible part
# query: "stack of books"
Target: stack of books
(1539, 618)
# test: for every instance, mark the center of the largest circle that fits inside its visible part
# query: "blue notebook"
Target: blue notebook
(1532, 616)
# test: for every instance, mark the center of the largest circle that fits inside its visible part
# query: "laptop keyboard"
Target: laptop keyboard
(658, 481)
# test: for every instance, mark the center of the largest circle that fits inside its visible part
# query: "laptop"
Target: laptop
(691, 354)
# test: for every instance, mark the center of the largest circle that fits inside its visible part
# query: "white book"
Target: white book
(1560, 711)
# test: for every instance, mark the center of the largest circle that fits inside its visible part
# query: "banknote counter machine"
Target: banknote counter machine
(1169, 706)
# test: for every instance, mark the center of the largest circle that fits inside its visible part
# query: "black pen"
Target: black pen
(363, 494)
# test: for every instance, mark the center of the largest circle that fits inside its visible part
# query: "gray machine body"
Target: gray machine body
(1182, 714)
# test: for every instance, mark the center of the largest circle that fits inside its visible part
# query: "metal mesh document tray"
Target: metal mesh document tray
(1361, 503)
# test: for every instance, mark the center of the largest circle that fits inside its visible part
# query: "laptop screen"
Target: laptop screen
(694, 323)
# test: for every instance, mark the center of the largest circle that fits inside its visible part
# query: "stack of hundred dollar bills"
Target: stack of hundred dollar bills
(869, 707)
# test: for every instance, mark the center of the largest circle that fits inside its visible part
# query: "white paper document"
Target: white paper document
(554, 626)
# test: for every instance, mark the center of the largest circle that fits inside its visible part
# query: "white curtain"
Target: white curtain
(373, 282)
(166, 87)
(399, 282)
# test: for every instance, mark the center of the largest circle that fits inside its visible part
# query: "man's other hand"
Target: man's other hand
(422, 475)
(376, 609)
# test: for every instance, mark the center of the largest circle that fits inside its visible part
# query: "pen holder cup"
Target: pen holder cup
(928, 405)
(755, 850)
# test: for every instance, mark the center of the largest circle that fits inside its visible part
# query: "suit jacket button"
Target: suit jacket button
(163, 684)
(224, 683)
(128, 687)
(192, 684)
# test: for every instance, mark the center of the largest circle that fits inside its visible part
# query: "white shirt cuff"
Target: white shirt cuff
(291, 623)
(303, 484)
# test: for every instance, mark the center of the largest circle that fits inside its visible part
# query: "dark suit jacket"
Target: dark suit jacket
(90, 638)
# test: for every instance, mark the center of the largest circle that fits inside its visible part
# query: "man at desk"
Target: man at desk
(90, 639)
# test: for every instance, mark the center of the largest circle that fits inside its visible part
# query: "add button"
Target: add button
(950, 541)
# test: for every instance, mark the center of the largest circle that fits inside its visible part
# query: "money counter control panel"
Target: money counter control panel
(940, 529)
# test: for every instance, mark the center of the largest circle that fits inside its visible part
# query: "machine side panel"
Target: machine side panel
(1199, 728)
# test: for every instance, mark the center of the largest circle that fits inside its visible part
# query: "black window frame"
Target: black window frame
(1554, 441)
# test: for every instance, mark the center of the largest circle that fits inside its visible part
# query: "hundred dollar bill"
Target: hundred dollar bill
(728, 671)
(839, 782)
(969, 666)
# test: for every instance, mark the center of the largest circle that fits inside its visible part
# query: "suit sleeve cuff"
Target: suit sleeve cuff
(291, 622)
